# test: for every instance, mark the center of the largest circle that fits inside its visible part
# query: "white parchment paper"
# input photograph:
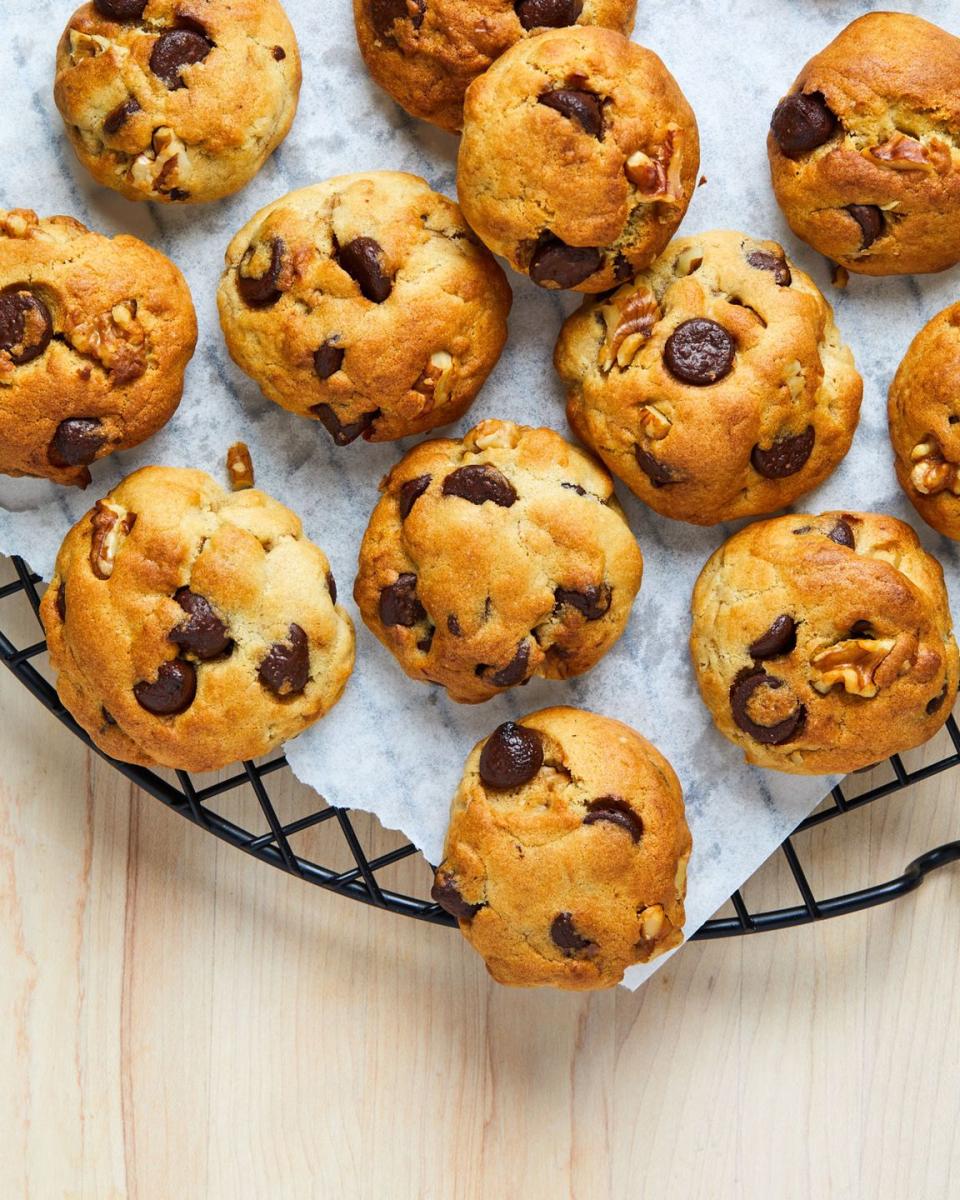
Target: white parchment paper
(391, 746)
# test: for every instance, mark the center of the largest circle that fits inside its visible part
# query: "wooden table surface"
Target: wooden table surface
(181, 1022)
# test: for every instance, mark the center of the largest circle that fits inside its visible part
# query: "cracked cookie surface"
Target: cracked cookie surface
(192, 627)
(177, 100)
(823, 644)
(924, 418)
(720, 333)
(579, 157)
(425, 53)
(496, 558)
(95, 336)
(566, 853)
(365, 303)
(865, 149)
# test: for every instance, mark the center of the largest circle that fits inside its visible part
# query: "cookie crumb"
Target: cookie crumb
(239, 467)
(701, 181)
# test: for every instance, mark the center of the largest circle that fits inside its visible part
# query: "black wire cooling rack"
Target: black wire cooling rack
(360, 881)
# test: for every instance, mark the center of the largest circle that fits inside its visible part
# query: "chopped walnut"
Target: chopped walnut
(653, 423)
(116, 339)
(493, 435)
(657, 176)
(903, 153)
(86, 45)
(164, 166)
(931, 472)
(239, 467)
(795, 380)
(853, 663)
(111, 524)
(651, 921)
(629, 321)
(18, 222)
(437, 377)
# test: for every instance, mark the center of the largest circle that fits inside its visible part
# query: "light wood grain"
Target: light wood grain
(181, 1022)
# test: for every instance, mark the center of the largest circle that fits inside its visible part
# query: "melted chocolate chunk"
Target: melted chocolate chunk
(174, 50)
(511, 756)
(699, 352)
(763, 260)
(548, 14)
(203, 633)
(410, 493)
(279, 54)
(583, 107)
(62, 601)
(780, 638)
(478, 484)
(26, 326)
(785, 457)
(594, 603)
(262, 291)
(286, 668)
(399, 604)
(115, 120)
(555, 264)
(842, 534)
(744, 685)
(871, 221)
(516, 669)
(616, 811)
(657, 472)
(384, 13)
(343, 435)
(362, 259)
(446, 893)
(120, 10)
(172, 692)
(936, 703)
(328, 360)
(564, 935)
(802, 123)
(76, 442)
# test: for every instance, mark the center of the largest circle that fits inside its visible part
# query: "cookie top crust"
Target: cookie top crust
(823, 644)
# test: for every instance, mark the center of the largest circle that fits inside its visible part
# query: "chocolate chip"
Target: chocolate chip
(286, 668)
(425, 643)
(76, 442)
(936, 703)
(616, 811)
(622, 270)
(583, 107)
(446, 893)
(171, 692)
(479, 483)
(410, 493)
(174, 50)
(115, 120)
(454, 625)
(383, 14)
(362, 259)
(564, 934)
(399, 604)
(261, 291)
(699, 352)
(555, 264)
(657, 472)
(801, 123)
(343, 435)
(842, 534)
(177, 194)
(744, 685)
(516, 669)
(328, 360)
(25, 325)
(594, 602)
(120, 10)
(870, 219)
(332, 586)
(780, 638)
(203, 633)
(785, 457)
(62, 601)
(763, 260)
(548, 14)
(279, 53)
(511, 756)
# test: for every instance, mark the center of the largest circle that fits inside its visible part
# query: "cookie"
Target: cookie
(192, 627)
(95, 335)
(924, 415)
(365, 303)
(426, 55)
(496, 558)
(566, 855)
(823, 644)
(177, 101)
(721, 333)
(579, 157)
(863, 150)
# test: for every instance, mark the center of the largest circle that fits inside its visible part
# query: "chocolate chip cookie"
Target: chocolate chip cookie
(579, 157)
(566, 855)
(95, 335)
(924, 414)
(722, 333)
(365, 303)
(493, 559)
(192, 627)
(425, 53)
(865, 149)
(177, 100)
(824, 644)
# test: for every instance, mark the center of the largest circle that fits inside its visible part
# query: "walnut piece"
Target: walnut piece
(629, 321)
(657, 175)
(111, 524)
(164, 166)
(116, 339)
(437, 378)
(931, 472)
(903, 153)
(853, 663)
(239, 467)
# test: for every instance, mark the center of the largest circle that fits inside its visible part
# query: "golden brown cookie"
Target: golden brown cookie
(824, 644)
(193, 627)
(579, 157)
(924, 415)
(865, 149)
(177, 100)
(716, 384)
(95, 335)
(365, 303)
(426, 54)
(496, 558)
(566, 855)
